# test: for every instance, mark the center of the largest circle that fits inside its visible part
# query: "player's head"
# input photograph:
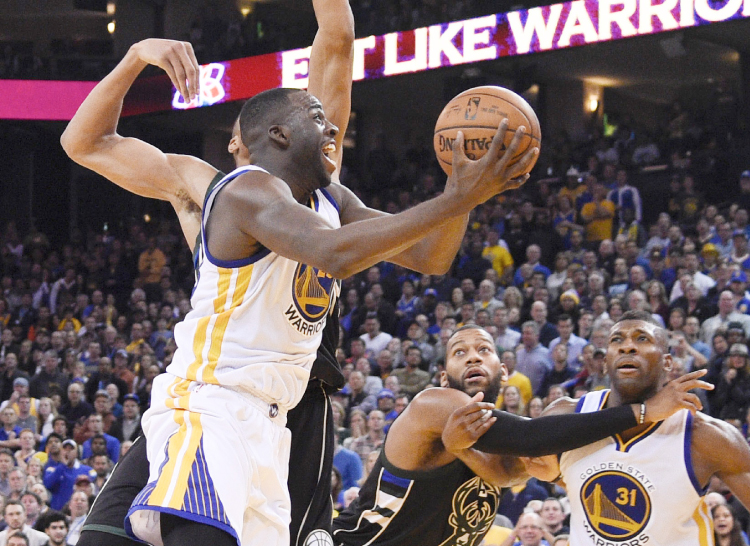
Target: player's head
(638, 358)
(289, 122)
(472, 363)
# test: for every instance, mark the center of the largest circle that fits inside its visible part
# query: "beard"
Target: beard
(491, 391)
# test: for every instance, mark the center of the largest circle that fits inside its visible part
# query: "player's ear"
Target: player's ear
(444, 378)
(280, 135)
(668, 363)
(234, 145)
(503, 372)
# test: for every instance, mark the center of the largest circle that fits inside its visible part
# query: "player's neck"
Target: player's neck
(617, 398)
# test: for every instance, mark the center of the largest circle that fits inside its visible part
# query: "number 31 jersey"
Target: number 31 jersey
(636, 492)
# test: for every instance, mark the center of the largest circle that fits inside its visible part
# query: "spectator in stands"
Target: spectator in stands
(410, 378)
(56, 528)
(374, 438)
(625, 196)
(348, 463)
(375, 340)
(129, 425)
(733, 388)
(79, 508)
(506, 338)
(573, 343)
(598, 216)
(532, 358)
(95, 425)
(560, 371)
(103, 377)
(726, 314)
(547, 331)
(49, 378)
(14, 515)
(59, 478)
(512, 401)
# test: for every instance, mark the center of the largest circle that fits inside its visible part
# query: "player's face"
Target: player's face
(473, 365)
(313, 138)
(636, 362)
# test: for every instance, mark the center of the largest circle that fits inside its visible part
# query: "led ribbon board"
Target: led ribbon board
(545, 28)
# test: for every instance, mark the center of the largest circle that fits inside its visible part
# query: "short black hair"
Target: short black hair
(643, 316)
(50, 517)
(257, 109)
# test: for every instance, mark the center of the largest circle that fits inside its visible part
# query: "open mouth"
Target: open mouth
(474, 374)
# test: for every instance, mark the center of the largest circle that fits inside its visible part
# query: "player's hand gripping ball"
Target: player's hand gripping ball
(478, 113)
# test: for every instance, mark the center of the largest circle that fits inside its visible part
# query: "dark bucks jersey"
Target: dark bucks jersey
(448, 506)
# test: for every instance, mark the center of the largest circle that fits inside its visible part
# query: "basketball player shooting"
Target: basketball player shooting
(185, 411)
(91, 139)
(430, 488)
(646, 485)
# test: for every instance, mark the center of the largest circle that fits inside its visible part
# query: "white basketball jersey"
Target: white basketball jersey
(256, 323)
(636, 492)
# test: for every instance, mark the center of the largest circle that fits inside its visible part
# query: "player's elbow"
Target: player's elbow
(75, 145)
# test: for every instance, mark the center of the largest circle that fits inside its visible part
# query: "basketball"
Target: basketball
(478, 113)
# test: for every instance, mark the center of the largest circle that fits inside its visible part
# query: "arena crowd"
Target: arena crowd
(87, 325)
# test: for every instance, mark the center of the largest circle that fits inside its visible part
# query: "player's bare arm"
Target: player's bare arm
(331, 62)
(91, 138)
(435, 252)
(269, 214)
(719, 449)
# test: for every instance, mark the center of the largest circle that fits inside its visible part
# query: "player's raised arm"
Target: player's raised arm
(91, 137)
(434, 252)
(331, 64)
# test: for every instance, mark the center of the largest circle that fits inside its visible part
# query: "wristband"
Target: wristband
(642, 418)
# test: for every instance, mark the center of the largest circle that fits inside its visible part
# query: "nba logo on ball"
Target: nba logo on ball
(477, 113)
(318, 538)
(472, 109)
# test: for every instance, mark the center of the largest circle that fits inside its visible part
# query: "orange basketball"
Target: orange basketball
(478, 113)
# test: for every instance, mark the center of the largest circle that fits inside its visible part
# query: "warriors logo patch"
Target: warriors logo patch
(616, 505)
(474, 507)
(311, 292)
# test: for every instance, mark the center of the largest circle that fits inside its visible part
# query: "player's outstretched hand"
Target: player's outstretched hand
(477, 181)
(177, 59)
(675, 396)
(467, 424)
(544, 468)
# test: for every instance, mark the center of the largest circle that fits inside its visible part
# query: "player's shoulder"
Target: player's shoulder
(707, 429)
(438, 397)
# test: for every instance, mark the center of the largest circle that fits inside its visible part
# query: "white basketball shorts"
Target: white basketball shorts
(218, 457)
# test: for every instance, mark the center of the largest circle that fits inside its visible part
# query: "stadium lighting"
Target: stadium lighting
(111, 27)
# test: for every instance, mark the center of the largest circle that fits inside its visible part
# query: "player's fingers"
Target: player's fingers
(484, 426)
(196, 67)
(496, 146)
(692, 375)
(515, 144)
(459, 156)
(524, 164)
(180, 77)
(169, 69)
(691, 400)
(516, 183)
(696, 384)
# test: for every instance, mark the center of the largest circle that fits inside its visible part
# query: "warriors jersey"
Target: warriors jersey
(447, 506)
(256, 323)
(637, 491)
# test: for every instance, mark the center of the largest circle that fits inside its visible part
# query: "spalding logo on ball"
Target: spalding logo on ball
(478, 113)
